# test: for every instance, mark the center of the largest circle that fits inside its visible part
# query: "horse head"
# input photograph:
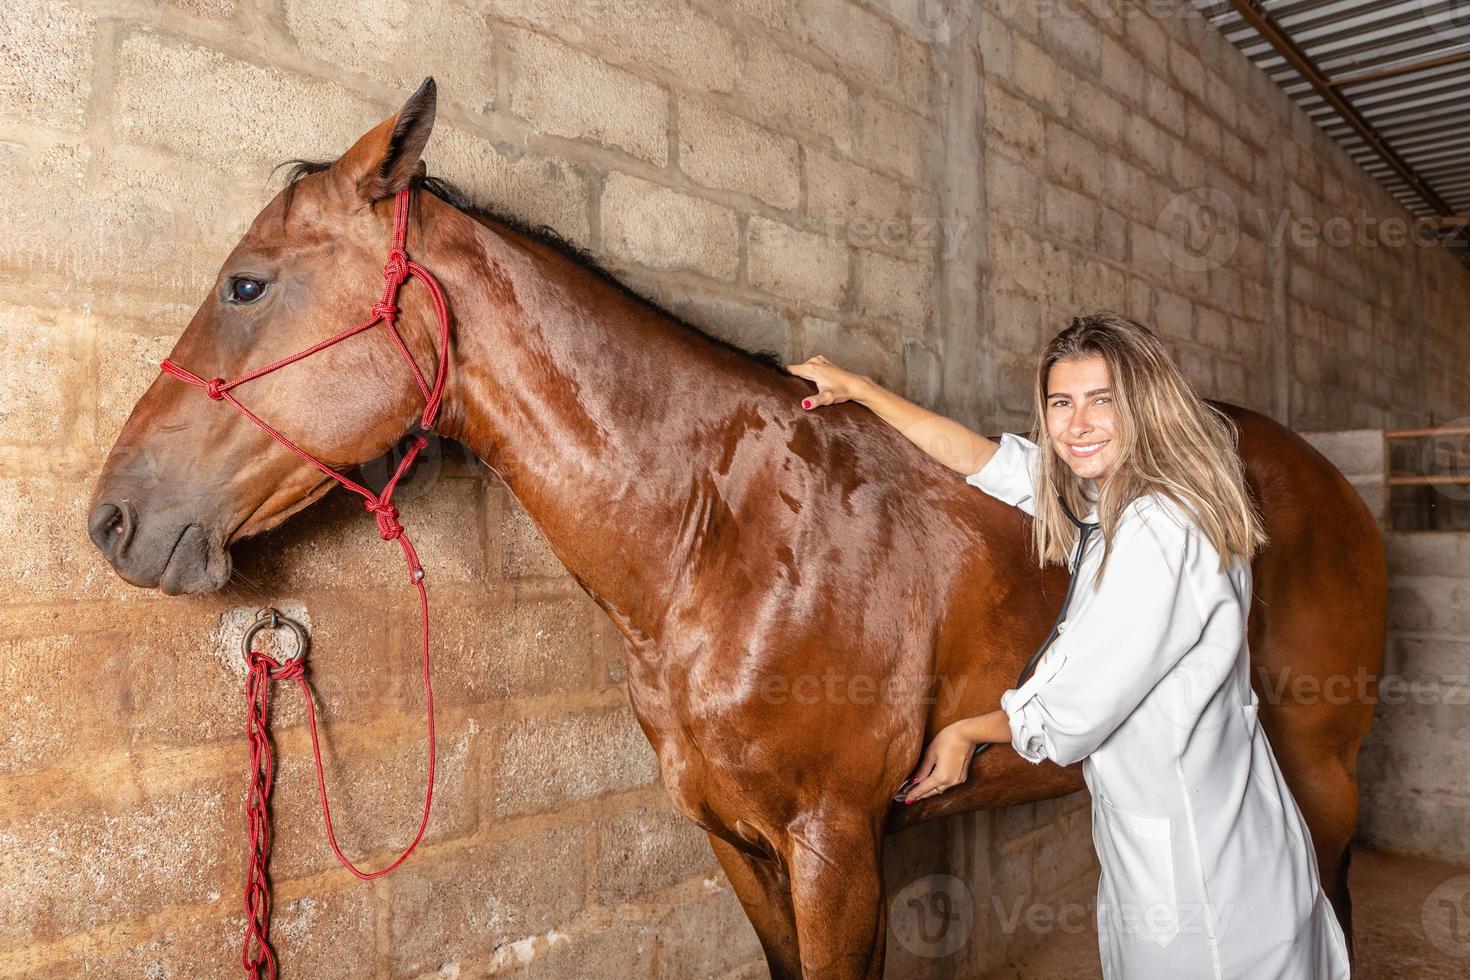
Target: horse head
(188, 476)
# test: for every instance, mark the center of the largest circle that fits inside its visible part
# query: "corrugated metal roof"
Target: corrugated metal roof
(1403, 66)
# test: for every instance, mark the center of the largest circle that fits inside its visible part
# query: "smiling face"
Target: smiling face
(1080, 417)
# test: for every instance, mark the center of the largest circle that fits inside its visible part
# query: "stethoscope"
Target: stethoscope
(1084, 531)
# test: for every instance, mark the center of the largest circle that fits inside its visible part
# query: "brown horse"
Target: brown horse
(797, 587)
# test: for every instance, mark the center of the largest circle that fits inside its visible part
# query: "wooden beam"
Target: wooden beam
(1286, 46)
(1397, 70)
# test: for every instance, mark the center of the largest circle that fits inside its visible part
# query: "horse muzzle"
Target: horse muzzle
(165, 551)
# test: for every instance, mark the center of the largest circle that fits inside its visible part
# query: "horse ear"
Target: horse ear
(387, 157)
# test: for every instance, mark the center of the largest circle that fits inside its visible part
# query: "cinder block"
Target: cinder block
(894, 289)
(563, 92)
(127, 363)
(534, 189)
(672, 40)
(1098, 114)
(1150, 41)
(1017, 321)
(861, 42)
(1187, 70)
(1069, 215)
(1012, 191)
(1165, 104)
(794, 95)
(743, 323)
(465, 902)
(375, 780)
(643, 849)
(914, 75)
(502, 647)
(1040, 77)
(796, 264)
(723, 151)
(46, 73)
(840, 191)
(427, 37)
(145, 226)
(342, 549)
(547, 763)
(77, 864)
(1075, 36)
(1073, 160)
(524, 550)
(1122, 73)
(1015, 122)
(1100, 286)
(892, 138)
(46, 352)
(662, 228)
(157, 75)
(707, 937)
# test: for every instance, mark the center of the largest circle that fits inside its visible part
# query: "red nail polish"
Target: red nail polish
(806, 403)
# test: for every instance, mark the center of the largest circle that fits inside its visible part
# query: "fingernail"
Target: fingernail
(806, 403)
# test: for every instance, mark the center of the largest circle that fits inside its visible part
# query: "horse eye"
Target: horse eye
(246, 290)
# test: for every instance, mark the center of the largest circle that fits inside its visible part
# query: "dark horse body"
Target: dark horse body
(805, 598)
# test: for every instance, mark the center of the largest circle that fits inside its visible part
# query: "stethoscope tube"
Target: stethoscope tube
(1085, 530)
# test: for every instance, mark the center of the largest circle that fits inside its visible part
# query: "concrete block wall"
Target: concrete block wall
(1135, 160)
(923, 199)
(1413, 763)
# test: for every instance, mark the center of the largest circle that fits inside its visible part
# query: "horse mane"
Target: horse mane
(451, 194)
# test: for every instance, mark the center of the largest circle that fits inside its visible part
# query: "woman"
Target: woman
(1207, 864)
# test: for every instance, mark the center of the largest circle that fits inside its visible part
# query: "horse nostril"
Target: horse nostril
(110, 527)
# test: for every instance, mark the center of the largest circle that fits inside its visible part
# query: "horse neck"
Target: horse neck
(606, 419)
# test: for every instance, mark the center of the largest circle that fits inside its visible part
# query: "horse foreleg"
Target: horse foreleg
(764, 889)
(837, 889)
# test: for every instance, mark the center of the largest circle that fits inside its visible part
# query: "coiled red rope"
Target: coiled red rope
(256, 953)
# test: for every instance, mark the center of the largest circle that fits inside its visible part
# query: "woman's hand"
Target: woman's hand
(834, 384)
(946, 762)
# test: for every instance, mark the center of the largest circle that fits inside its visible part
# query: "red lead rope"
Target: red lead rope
(262, 668)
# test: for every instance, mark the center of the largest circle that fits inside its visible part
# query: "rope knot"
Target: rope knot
(215, 389)
(385, 310)
(387, 516)
(395, 270)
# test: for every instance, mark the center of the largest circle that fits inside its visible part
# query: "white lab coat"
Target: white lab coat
(1208, 867)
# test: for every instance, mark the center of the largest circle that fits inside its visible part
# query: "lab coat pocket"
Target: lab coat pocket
(1141, 870)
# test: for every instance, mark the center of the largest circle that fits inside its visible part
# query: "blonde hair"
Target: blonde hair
(1168, 440)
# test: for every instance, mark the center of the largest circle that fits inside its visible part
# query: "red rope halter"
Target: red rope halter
(262, 668)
